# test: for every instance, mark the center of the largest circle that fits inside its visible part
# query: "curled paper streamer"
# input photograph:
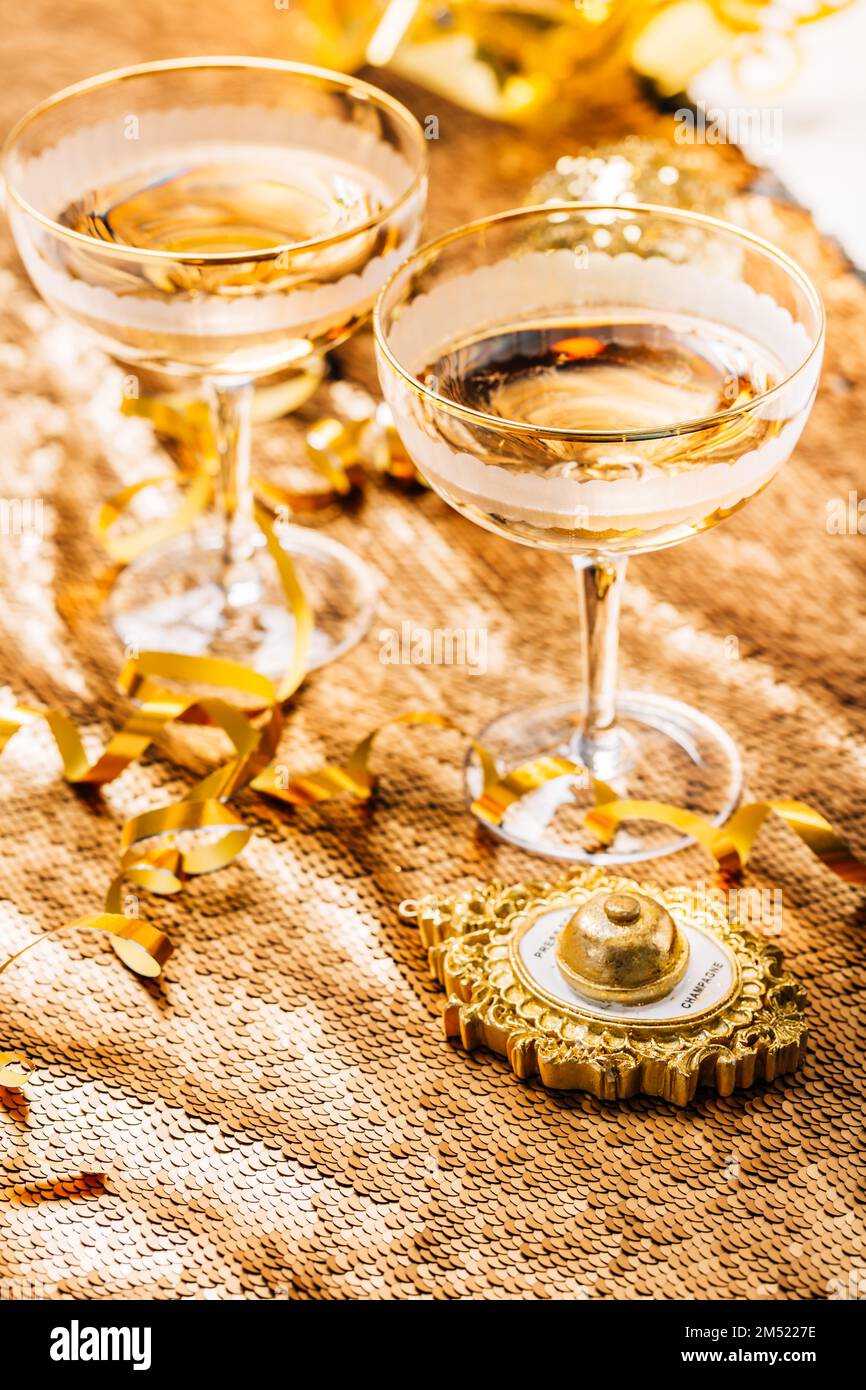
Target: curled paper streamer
(125, 548)
(141, 946)
(354, 778)
(336, 449)
(731, 844)
(151, 863)
(252, 723)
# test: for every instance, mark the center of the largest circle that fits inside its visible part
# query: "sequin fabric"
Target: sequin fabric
(280, 1116)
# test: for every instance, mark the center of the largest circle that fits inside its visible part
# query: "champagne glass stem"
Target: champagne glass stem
(600, 746)
(231, 406)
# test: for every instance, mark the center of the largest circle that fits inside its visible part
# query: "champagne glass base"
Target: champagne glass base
(669, 752)
(172, 600)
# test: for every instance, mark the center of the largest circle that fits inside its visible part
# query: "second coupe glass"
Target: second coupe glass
(601, 381)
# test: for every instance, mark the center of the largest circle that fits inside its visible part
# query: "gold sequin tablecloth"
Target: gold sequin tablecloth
(280, 1116)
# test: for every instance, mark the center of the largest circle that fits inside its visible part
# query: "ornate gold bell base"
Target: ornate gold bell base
(508, 956)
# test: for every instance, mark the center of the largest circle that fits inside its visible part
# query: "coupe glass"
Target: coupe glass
(601, 381)
(219, 220)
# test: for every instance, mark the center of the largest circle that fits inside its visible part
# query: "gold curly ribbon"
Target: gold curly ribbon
(141, 946)
(334, 448)
(144, 948)
(16, 1070)
(125, 548)
(731, 844)
(150, 860)
(354, 778)
(159, 708)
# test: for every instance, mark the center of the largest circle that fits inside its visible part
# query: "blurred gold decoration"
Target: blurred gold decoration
(512, 59)
(629, 172)
(731, 1018)
(507, 59)
(15, 1070)
(360, 437)
(678, 38)
(635, 170)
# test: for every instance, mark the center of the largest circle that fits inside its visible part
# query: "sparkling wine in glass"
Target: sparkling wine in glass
(601, 381)
(218, 220)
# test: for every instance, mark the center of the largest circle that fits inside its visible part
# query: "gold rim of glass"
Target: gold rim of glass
(426, 254)
(335, 79)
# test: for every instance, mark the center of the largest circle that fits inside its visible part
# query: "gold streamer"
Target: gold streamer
(142, 677)
(335, 449)
(140, 945)
(731, 844)
(125, 548)
(354, 778)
